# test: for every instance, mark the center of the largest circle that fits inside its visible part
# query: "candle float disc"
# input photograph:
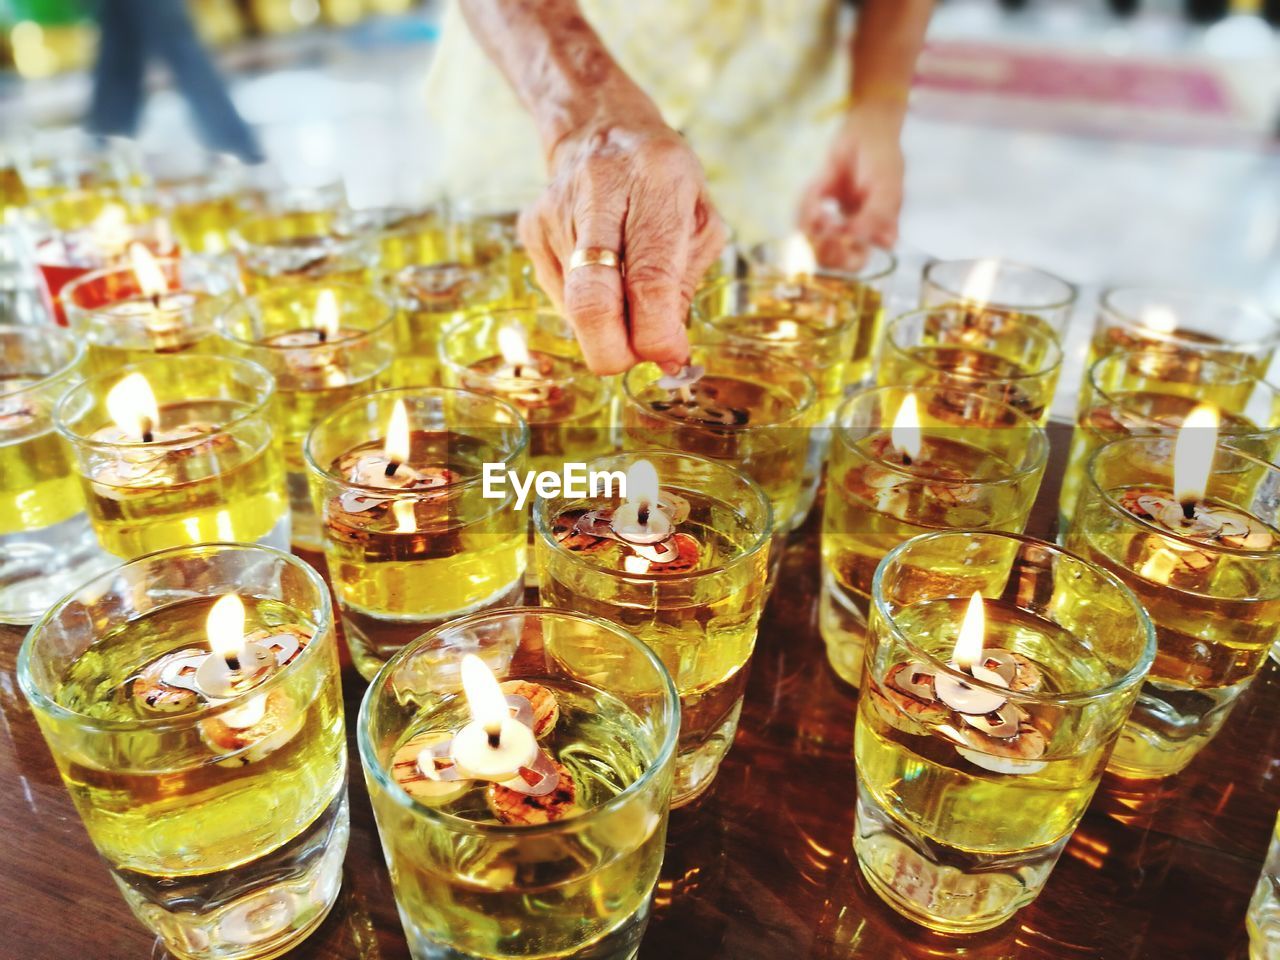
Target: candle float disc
(965, 698)
(512, 802)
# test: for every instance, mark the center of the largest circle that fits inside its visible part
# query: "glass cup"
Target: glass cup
(204, 197)
(405, 559)
(979, 468)
(223, 820)
(1146, 392)
(486, 223)
(432, 298)
(212, 470)
(47, 544)
(405, 235)
(753, 412)
(301, 247)
(697, 611)
(470, 880)
(121, 324)
(568, 408)
(1012, 358)
(801, 321)
(1263, 919)
(1186, 324)
(319, 362)
(962, 815)
(999, 286)
(1214, 598)
(864, 291)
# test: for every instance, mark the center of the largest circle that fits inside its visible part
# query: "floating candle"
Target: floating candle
(646, 523)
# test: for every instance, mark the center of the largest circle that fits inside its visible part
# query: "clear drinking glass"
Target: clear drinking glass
(223, 821)
(1264, 909)
(962, 814)
(473, 882)
(315, 370)
(1000, 286)
(212, 470)
(979, 468)
(1214, 597)
(864, 291)
(768, 405)
(1012, 358)
(301, 247)
(1187, 325)
(403, 560)
(121, 324)
(47, 544)
(698, 611)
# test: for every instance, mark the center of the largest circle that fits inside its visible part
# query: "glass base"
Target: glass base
(1168, 727)
(620, 943)
(306, 526)
(40, 567)
(940, 886)
(255, 911)
(374, 638)
(844, 631)
(702, 747)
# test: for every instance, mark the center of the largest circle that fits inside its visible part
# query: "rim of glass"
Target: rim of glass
(403, 218)
(169, 261)
(1070, 292)
(542, 522)
(1129, 678)
(1245, 379)
(479, 281)
(288, 295)
(323, 622)
(1055, 353)
(1114, 505)
(700, 315)
(256, 370)
(62, 334)
(805, 404)
(522, 441)
(241, 242)
(1036, 464)
(758, 255)
(501, 318)
(372, 763)
(1118, 317)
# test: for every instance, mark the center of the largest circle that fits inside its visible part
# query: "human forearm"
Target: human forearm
(886, 45)
(557, 66)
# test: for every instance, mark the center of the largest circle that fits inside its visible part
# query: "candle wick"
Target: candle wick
(155, 301)
(642, 514)
(148, 430)
(1188, 509)
(233, 662)
(495, 737)
(392, 467)
(906, 459)
(322, 334)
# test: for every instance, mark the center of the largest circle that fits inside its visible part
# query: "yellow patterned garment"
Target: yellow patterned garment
(755, 85)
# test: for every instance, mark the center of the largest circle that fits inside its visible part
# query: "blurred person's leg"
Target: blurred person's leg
(117, 76)
(171, 35)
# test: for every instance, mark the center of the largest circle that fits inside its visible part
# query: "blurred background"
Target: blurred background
(1107, 140)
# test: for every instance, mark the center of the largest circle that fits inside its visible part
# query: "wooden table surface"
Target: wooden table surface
(761, 868)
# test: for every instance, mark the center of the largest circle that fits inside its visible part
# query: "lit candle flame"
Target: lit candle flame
(972, 635)
(406, 522)
(325, 318)
(1193, 454)
(798, 260)
(635, 564)
(110, 229)
(1159, 319)
(396, 446)
(980, 283)
(150, 277)
(512, 346)
(484, 696)
(131, 403)
(905, 433)
(224, 628)
(642, 485)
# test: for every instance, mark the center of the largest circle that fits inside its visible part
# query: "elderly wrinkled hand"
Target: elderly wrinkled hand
(637, 190)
